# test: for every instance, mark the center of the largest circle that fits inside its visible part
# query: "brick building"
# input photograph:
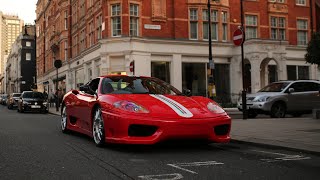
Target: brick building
(168, 39)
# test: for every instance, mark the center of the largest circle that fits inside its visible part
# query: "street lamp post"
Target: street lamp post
(57, 65)
(211, 63)
(244, 92)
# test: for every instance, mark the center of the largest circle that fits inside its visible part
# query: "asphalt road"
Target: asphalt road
(33, 147)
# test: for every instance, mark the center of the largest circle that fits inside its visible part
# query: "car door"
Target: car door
(296, 99)
(312, 91)
(86, 102)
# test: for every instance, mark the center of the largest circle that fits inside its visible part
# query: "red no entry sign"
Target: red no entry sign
(238, 37)
(132, 66)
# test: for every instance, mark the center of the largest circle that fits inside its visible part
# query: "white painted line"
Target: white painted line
(174, 176)
(286, 157)
(172, 165)
(181, 165)
(237, 37)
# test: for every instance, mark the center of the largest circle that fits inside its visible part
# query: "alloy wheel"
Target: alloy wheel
(98, 128)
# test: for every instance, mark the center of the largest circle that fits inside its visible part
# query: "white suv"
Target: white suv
(284, 97)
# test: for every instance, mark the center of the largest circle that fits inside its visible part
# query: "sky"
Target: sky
(25, 9)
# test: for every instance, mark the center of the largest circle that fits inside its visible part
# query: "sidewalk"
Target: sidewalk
(52, 110)
(301, 134)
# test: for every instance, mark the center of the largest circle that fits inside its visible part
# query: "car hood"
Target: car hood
(32, 99)
(170, 106)
(261, 94)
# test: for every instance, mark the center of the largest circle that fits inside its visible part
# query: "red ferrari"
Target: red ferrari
(141, 110)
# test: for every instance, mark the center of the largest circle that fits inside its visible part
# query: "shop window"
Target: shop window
(161, 70)
(297, 72)
(194, 78)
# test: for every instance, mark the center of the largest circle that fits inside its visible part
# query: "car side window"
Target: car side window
(298, 86)
(311, 86)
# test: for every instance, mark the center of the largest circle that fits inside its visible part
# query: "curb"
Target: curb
(53, 113)
(271, 146)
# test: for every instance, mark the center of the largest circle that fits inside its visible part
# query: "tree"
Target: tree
(313, 49)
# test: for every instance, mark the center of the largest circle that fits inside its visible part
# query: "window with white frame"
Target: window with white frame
(66, 50)
(251, 26)
(301, 2)
(28, 43)
(91, 33)
(134, 20)
(278, 28)
(28, 56)
(193, 23)
(224, 17)
(65, 20)
(116, 19)
(214, 24)
(302, 35)
(82, 40)
(99, 26)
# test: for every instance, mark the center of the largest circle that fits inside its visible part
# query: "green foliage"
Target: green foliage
(313, 49)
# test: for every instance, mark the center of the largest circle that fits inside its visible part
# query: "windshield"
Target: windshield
(32, 95)
(275, 87)
(16, 95)
(137, 85)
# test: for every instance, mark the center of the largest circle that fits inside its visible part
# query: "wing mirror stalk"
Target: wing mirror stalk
(186, 92)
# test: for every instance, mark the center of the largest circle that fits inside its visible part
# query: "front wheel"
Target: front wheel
(64, 119)
(98, 128)
(278, 110)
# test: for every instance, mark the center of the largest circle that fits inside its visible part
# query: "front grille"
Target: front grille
(222, 130)
(141, 130)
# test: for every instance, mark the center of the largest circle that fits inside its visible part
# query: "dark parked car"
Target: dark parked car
(13, 100)
(32, 101)
(3, 99)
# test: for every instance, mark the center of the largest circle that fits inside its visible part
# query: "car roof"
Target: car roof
(300, 80)
(106, 76)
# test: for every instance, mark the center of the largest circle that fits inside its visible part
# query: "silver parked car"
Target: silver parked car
(284, 97)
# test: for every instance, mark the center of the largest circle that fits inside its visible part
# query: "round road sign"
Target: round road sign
(238, 37)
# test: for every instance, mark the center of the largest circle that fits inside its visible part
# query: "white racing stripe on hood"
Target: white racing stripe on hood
(174, 105)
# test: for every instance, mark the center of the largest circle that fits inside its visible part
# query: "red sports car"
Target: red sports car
(141, 110)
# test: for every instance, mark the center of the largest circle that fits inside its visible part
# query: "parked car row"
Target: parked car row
(31, 101)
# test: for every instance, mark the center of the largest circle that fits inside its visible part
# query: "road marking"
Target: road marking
(181, 165)
(285, 157)
(174, 176)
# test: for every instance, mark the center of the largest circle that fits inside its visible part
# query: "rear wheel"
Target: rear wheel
(278, 110)
(98, 128)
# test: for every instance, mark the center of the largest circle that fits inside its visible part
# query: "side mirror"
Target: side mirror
(84, 88)
(186, 92)
(291, 90)
(75, 92)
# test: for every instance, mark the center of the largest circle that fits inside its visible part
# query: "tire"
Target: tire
(64, 119)
(252, 114)
(98, 132)
(278, 110)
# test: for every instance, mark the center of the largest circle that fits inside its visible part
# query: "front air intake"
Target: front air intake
(222, 130)
(137, 130)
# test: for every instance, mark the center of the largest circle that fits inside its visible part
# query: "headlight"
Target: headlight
(130, 106)
(215, 108)
(45, 103)
(261, 99)
(25, 102)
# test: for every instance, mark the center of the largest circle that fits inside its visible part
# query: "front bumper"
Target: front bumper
(34, 108)
(117, 129)
(257, 106)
